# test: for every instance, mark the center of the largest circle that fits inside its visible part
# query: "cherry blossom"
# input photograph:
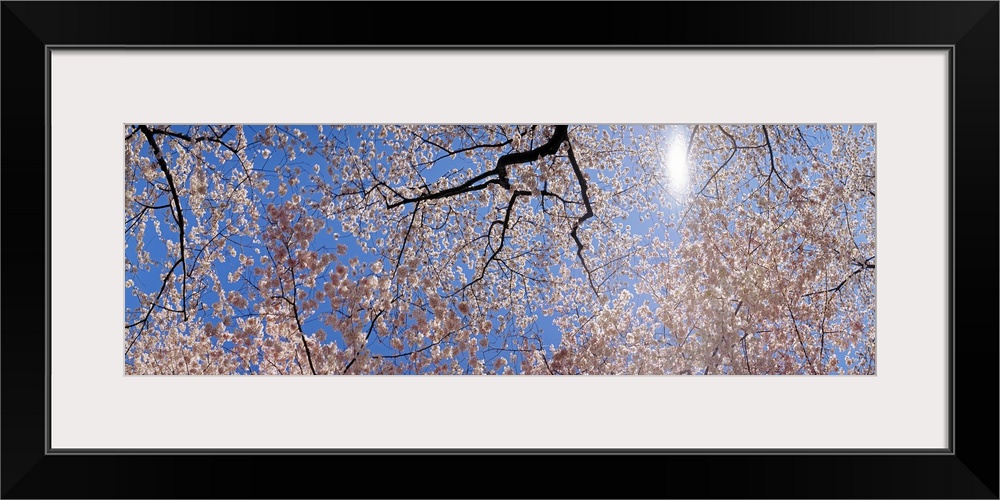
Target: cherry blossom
(500, 249)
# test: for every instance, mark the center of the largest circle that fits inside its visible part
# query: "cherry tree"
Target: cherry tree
(499, 249)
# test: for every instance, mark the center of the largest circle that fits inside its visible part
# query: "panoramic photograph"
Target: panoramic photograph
(500, 249)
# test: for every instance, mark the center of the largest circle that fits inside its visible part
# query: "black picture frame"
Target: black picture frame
(968, 469)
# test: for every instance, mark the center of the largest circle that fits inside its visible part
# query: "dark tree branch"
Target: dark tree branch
(687, 154)
(806, 143)
(415, 351)
(295, 309)
(177, 212)
(217, 139)
(588, 214)
(801, 342)
(499, 171)
(298, 324)
(731, 155)
(406, 237)
(457, 151)
(145, 320)
(770, 152)
(505, 224)
(746, 357)
(371, 326)
(861, 267)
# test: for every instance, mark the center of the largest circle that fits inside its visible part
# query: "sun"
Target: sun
(677, 172)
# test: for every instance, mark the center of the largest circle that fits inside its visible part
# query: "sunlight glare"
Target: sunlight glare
(678, 177)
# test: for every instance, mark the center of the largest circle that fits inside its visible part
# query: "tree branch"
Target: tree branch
(152, 306)
(731, 155)
(801, 342)
(371, 326)
(500, 170)
(770, 151)
(861, 267)
(217, 139)
(588, 214)
(177, 213)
